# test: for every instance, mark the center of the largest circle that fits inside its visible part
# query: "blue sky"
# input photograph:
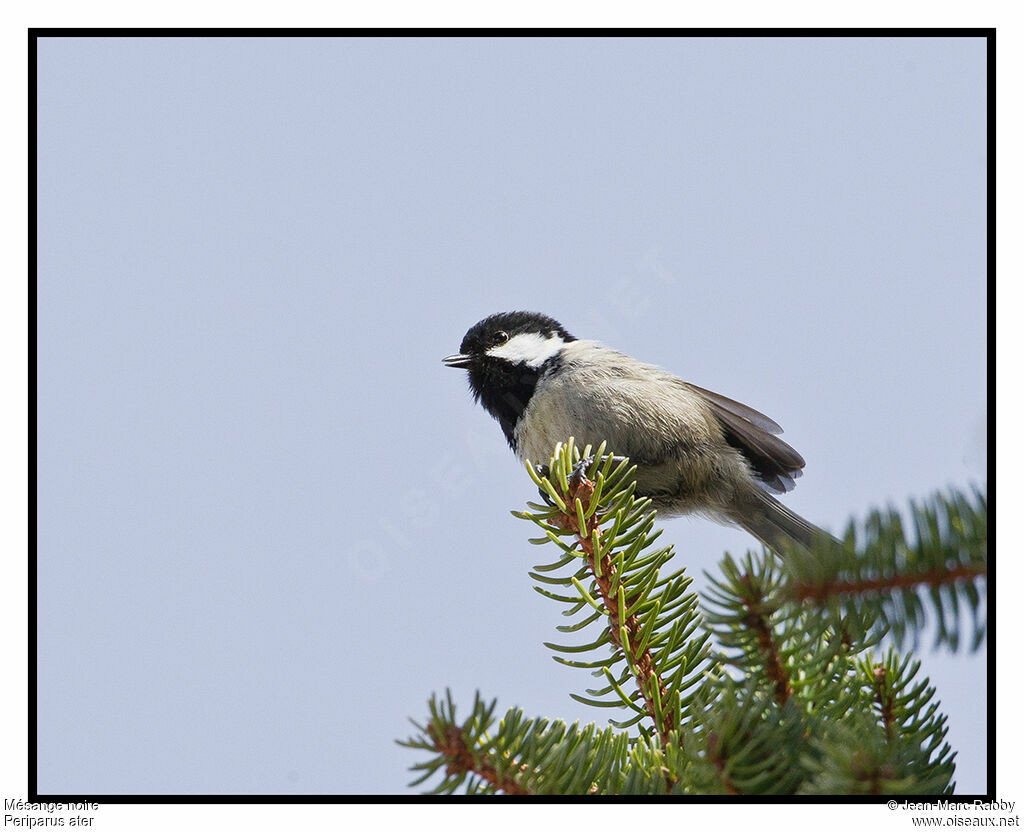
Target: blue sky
(271, 523)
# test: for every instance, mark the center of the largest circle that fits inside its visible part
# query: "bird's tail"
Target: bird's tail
(775, 525)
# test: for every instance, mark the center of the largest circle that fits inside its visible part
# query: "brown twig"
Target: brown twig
(884, 697)
(715, 758)
(647, 678)
(757, 621)
(461, 759)
(821, 592)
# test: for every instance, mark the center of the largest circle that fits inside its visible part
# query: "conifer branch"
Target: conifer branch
(534, 756)
(884, 700)
(886, 576)
(714, 742)
(461, 760)
(651, 623)
(624, 633)
(821, 593)
(794, 699)
(757, 622)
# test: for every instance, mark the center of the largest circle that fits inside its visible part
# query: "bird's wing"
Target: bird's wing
(753, 416)
(752, 433)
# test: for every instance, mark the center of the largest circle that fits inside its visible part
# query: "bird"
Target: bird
(695, 451)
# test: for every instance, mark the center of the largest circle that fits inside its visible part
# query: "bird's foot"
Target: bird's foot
(579, 470)
(577, 476)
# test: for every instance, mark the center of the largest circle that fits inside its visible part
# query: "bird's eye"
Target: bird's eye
(501, 336)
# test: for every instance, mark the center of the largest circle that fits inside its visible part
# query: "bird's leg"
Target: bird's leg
(578, 474)
(580, 468)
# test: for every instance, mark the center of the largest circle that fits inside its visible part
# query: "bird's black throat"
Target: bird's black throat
(504, 390)
(503, 386)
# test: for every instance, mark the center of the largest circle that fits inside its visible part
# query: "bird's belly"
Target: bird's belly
(691, 476)
(541, 428)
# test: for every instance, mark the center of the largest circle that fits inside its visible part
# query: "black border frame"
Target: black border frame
(989, 34)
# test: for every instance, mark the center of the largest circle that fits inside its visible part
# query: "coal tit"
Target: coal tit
(695, 451)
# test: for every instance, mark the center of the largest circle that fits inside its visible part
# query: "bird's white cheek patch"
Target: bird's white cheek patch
(530, 348)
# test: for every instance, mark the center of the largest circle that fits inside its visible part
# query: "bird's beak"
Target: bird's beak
(457, 361)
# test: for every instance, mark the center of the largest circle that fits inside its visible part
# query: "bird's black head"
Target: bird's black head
(505, 355)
